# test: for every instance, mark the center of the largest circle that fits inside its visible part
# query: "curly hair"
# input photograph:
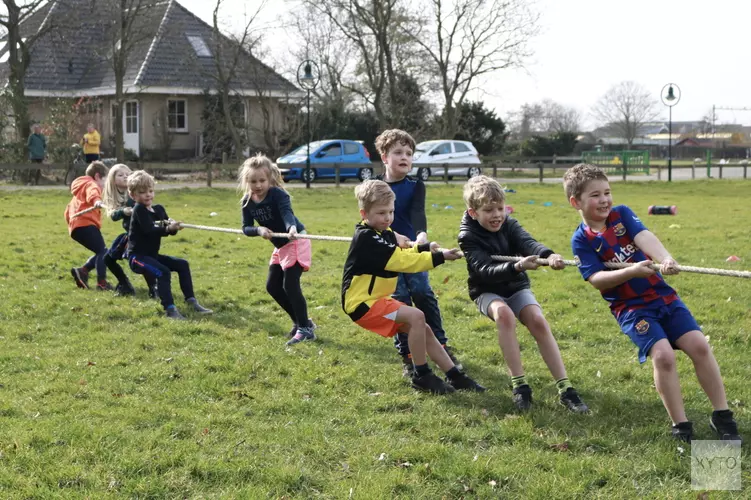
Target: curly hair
(576, 178)
(481, 190)
(390, 138)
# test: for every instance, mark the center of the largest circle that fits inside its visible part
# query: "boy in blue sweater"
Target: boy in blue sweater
(396, 148)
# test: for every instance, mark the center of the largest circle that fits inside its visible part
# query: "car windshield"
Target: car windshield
(424, 147)
(303, 150)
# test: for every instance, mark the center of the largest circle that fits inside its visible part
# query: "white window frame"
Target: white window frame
(185, 129)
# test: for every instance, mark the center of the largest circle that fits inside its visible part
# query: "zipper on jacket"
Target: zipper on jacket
(372, 284)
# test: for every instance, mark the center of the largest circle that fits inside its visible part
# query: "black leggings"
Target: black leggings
(91, 238)
(284, 287)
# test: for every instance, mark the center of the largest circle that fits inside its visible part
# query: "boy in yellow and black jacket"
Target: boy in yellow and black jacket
(374, 261)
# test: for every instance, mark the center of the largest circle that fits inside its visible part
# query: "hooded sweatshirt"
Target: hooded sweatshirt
(85, 193)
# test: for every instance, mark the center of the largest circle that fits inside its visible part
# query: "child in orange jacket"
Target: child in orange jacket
(86, 228)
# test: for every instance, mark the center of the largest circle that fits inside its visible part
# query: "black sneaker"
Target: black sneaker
(450, 352)
(522, 397)
(571, 400)
(408, 367)
(723, 423)
(81, 277)
(124, 290)
(104, 286)
(431, 383)
(292, 332)
(198, 307)
(683, 431)
(173, 313)
(464, 383)
(302, 335)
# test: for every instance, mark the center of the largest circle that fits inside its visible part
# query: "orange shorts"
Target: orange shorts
(381, 317)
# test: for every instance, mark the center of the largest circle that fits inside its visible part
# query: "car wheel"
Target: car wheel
(365, 173)
(473, 172)
(423, 174)
(313, 175)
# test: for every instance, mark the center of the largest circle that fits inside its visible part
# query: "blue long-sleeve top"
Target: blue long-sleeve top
(273, 212)
(119, 214)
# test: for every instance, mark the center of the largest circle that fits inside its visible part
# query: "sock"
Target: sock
(170, 307)
(421, 370)
(102, 282)
(563, 384)
(191, 300)
(518, 381)
(453, 373)
(722, 413)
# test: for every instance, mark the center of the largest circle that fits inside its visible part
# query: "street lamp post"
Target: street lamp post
(670, 96)
(307, 77)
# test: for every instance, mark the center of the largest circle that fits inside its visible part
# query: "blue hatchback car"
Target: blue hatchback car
(322, 155)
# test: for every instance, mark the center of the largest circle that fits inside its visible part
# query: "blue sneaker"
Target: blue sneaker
(303, 334)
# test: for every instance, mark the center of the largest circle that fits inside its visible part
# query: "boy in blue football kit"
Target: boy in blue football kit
(647, 309)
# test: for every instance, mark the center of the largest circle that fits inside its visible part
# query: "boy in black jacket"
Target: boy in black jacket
(149, 223)
(501, 289)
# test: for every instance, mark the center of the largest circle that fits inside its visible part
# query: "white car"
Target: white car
(430, 156)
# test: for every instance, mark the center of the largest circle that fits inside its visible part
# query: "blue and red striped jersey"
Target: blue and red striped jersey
(616, 244)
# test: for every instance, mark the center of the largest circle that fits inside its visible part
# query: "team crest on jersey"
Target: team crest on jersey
(642, 327)
(619, 229)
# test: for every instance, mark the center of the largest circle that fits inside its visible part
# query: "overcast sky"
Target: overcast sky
(586, 46)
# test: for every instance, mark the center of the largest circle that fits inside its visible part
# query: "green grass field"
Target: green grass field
(104, 397)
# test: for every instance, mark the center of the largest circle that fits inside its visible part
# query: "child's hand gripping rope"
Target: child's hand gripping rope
(97, 205)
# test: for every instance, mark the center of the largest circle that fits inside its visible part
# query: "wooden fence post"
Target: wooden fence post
(337, 173)
(446, 173)
(539, 165)
(693, 169)
(495, 170)
(209, 173)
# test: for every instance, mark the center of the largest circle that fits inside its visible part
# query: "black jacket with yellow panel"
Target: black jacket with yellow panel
(373, 263)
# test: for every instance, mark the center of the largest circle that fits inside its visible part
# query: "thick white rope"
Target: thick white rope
(501, 258)
(623, 265)
(85, 211)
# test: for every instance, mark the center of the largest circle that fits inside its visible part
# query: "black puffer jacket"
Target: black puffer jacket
(487, 275)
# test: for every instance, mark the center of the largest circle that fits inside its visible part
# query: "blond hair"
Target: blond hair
(140, 181)
(112, 197)
(390, 138)
(373, 192)
(96, 167)
(481, 190)
(576, 178)
(254, 163)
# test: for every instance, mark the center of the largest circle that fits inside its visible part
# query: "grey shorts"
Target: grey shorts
(516, 302)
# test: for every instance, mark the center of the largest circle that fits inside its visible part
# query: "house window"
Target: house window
(199, 45)
(177, 115)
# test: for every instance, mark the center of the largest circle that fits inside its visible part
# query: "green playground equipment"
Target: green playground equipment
(634, 162)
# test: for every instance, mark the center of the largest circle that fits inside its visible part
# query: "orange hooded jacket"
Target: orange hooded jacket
(85, 193)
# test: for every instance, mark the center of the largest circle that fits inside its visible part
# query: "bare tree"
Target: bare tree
(625, 108)
(468, 40)
(19, 44)
(545, 117)
(129, 28)
(228, 61)
(373, 28)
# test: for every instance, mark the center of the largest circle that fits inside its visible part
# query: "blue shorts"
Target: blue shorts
(648, 325)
